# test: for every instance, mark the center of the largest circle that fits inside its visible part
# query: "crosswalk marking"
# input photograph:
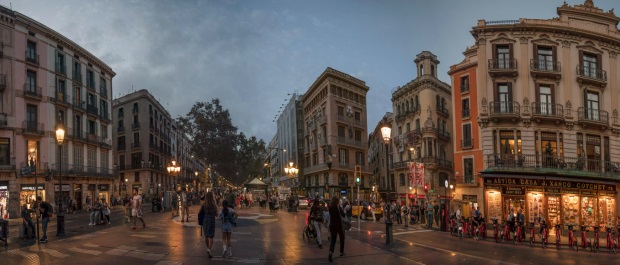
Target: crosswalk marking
(126, 247)
(85, 251)
(116, 252)
(32, 258)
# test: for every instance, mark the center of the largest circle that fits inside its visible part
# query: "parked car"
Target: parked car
(365, 210)
(303, 203)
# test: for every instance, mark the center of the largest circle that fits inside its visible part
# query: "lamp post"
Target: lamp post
(60, 221)
(174, 170)
(386, 133)
(292, 171)
(413, 151)
(125, 186)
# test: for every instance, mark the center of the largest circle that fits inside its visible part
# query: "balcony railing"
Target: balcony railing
(91, 109)
(27, 168)
(547, 110)
(62, 98)
(32, 91)
(469, 179)
(103, 91)
(593, 74)
(61, 69)
(79, 105)
(593, 115)
(467, 143)
(104, 115)
(135, 145)
(443, 134)
(464, 88)
(551, 163)
(443, 111)
(77, 76)
(121, 147)
(505, 108)
(135, 125)
(465, 114)
(32, 127)
(348, 141)
(120, 129)
(32, 57)
(545, 65)
(502, 64)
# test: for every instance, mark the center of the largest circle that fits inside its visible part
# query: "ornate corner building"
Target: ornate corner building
(421, 126)
(536, 116)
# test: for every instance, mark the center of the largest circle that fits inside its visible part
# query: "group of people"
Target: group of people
(101, 212)
(335, 217)
(41, 209)
(227, 215)
(412, 213)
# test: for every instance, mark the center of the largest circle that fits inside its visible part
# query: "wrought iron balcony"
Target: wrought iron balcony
(104, 115)
(120, 129)
(79, 105)
(103, 91)
(547, 163)
(121, 147)
(32, 57)
(349, 141)
(62, 99)
(467, 143)
(77, 76)
(61, 69)
(547, 111)
(135, 145)
(32, 91)
(499, 109)
(591, 75)
(442, 111)
(465, 114)
(503, 67)
(135, 126)
(592, 116)
(545, 68)
(92, 109)
(32, 128)
(464, 88)
(29, 168)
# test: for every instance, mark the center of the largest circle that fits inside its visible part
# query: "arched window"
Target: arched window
(421, 70)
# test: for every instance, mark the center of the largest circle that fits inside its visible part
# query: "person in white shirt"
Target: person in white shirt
(184, 206)
(136, 210)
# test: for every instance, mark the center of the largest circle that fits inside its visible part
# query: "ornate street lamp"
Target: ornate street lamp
(386, 131)
(60, 221)
(173, 169)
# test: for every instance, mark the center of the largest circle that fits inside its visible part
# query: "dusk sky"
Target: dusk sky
(251, 54)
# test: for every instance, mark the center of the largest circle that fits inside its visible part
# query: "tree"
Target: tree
(212, 135)
(250, 157)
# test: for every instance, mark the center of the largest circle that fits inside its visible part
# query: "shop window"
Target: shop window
(343, 179)
(33, 155)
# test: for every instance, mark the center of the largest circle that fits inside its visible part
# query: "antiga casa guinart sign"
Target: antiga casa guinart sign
(563, 184)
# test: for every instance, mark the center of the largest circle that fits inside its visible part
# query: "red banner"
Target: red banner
(416, 174)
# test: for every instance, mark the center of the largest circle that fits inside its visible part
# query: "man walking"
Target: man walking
(184, 205)
(45, 210)
(136, 210)
(429, 212)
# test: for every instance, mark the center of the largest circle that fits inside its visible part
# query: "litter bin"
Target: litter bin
(4, 231)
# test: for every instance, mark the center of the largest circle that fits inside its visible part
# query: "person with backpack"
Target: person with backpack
(46, 210)
(316, 214)
(227, 215)
(206, 218)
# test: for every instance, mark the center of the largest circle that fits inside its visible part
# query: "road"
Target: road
(270, 238)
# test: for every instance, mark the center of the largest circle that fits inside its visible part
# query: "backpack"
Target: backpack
(48, 209)
(201, 215)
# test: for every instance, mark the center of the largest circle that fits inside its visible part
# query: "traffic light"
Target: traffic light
(358, 174)
(425, 187)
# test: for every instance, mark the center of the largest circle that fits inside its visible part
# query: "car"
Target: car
(303, 203)
(322, 203)
(365, 212)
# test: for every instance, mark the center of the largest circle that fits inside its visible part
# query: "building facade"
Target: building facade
(547, 116)
(143, 141)
(46, 81)
(290, 138)
(376, 160)
(335, 135)
(421, 134)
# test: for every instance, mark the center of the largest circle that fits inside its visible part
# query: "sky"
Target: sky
(252, 54)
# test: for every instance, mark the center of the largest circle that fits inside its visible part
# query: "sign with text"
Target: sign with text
(513, 190)
(65, 187)
(563, 184)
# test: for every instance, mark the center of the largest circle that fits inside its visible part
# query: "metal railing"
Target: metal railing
(32, 57)
(62, 98)
(104, 115)
(464, 88)
(135, 125)
(502, 64)
(593, 115)
(27, 168)
(77, 104)
(467, 143)
(501, 22)
(348, 141)
(91, 109)
(77, 76)
(61, 69)
(31, 90)
(551, 162)
(504, 107)
(443, 134)
(545, 65)
(465, 113)
(103, 91)
(135, 145)
(592, 73)
(121, 147)
(443, 110)
(547, 109)
(32, 127)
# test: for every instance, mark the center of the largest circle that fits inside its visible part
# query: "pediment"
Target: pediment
(502, 38)
(545, 40)
(589, 47)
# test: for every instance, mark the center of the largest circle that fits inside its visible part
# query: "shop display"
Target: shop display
(588, 211)
(553, 210)
(607, 212)
(570, 209)
(4, 213)
(535, 206)
(494, 205)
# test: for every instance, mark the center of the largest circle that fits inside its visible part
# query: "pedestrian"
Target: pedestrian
(405, 214)
(95, 216)
(429, 212)
(174, 200)
(127, 207)
(316, 214)
(399, 213)
(208, 223)
(227, 216)
(335, 226)
(436, 212)
(27, 222)
(106, 212)
(88, 203)
(136, 210)
(184, 205)
(372, 210)
(46, 210)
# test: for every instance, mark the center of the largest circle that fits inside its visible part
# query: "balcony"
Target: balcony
(105, 143)
(465, 114)
(135, 145)
(545, 68)
(61, 69)
(443, 134)
(104, 115)
(26, 169)
(135, 126)
(32, 128)
(592, 117)
(401, 165)
(78, 135)
(79, 105)
(32, 57)
(442, 111)
(464, 88)
(503, 67)
(467, 143)
(597, 77)
(62, 99)
(469, 179)
(359, 123)
(545, 164)
(321, 120)
(120, 129)
(77, 76)
(3, 120)
(32, 91)
(350, 142)
(547, 111)
(90, 83)
(92, 110)
(121, 147)
(504, 109)
(103, 91)
(153, 146)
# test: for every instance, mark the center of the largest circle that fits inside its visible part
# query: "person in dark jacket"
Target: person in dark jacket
(316, 214)
(335, 226)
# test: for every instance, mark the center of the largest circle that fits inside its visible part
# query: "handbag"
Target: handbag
(106, 211)
(346, 224)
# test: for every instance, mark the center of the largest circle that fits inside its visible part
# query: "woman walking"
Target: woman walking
(208, 225)
(106, 212)
(316, 214)
(227, 216)
(335, 226)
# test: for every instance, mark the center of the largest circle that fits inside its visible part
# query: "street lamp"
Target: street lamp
(386, 133)
(173, 169)
(415, 178)
(292, 171)
(60, 222)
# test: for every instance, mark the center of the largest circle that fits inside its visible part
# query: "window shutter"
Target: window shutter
(535, 55)
(556, 66)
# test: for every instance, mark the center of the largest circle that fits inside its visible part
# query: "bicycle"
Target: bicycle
(596, 244)
(466, 227)
(585, 241)
(505, 234)
(496, 230)
(612, 244)
(558, 234)
(532, 234)
(518, 234)
(453, 226)
(544, 236)
(572, 242)
(480, 228)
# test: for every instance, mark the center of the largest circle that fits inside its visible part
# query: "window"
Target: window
(31, 51)
(120, 124)
(545, 59)
(343, 179)
(78, 156)
(90, 100)
(592, 106)
(590, 65)
(77, 126)
(135, 107)
(77, 71)
(103, 104)
(465, 108)
(31, 82)
(432, 70)
(507, 143)
(358, 135)
(417, 125)
(358, 116)
(340, 111)
(121, 142)
(545, 105)
(60, 63)
(90, 78)
(464, 84)
(408, 127)
(503, 97)
(503, 56)
(341, 131)
(92, 127)
(359, 158)
(120, 113)
(342, 156)
(468, 170)
(400, 130)
(421, 70)
(467, 139)
(31, 116)
(61, 90)
(5, 151)
(92, 160)
(136, 176)
(102, 87)
(104, 160)
(104, 132)
(401, 178)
